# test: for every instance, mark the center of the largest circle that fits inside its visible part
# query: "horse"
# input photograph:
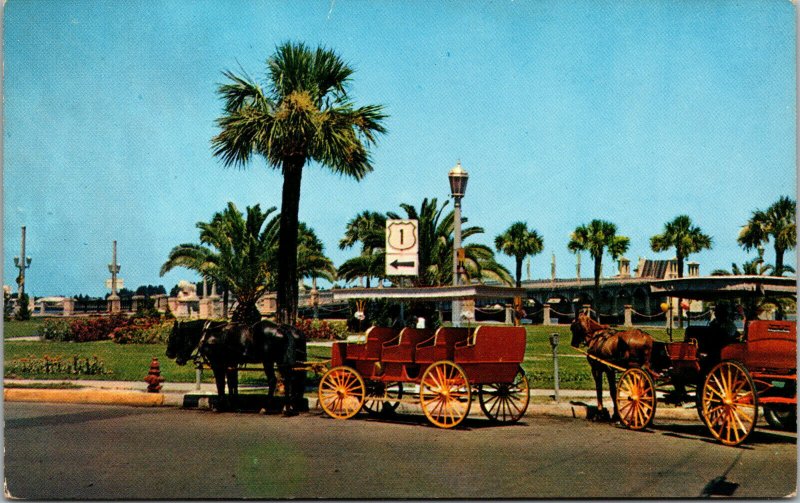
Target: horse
(225, 346)
(622, 348)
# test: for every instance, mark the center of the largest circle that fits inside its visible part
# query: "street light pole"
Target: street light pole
(114, 268)
(21, 264)
(458, 187)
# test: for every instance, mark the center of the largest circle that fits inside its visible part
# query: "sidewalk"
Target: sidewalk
(572, 403)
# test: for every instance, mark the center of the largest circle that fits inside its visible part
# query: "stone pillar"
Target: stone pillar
(137, 302)
(69, 306)
(206, 307)
(467, 309)
(42, 310)
(509, 314)
(160, 302)
(114, 304)
(215, 307)
(172, 302)
(546, 314)
(628, 315)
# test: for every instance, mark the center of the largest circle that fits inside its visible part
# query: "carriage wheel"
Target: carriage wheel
(341, 392)
(636, 399)
(730, 403)
(445, 394)
(505, 402)
(383, 398)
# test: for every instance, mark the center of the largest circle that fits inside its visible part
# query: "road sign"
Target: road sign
(402, 264)
(402, 247)
(120, 283)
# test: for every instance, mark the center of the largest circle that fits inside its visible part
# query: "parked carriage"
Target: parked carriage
(732, 379)
(449, 366)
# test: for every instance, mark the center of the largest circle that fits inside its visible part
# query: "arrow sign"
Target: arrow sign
(396, 264)
(402, 264)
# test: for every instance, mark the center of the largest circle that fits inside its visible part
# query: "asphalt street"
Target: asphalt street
(65, 451)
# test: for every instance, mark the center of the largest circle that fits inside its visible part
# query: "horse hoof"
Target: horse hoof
(289, 412)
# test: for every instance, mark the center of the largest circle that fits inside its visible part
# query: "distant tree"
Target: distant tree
(150, 290)
(304, 114)
(23, 309)
(8, 307)
(369, 229)
(682, 235)
(778, 222)
(519, 242)
(596, 238)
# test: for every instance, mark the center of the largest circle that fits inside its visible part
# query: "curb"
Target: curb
(576, 410)
(106, 397)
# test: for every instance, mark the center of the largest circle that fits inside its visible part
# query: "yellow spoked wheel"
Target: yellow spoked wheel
(506, 402)
(341, 392)
(636, 399)
(383, 398)
(445, 394)
(730, 403)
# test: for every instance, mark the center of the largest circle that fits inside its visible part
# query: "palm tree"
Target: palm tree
(436, 248)
(777, 222)
(685, 238)
(303, 114)
(519, 242)
(595, 238)
(235, 251)
(311, 260)
(369, 229)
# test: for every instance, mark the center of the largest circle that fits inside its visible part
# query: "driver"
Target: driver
(723, 323)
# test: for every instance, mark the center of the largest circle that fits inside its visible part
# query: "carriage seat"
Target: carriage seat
(371, 350)
(492, 344)
(402, 349)
(443, 347)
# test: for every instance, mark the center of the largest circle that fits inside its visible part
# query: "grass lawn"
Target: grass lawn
(27, 328)
(131, 362)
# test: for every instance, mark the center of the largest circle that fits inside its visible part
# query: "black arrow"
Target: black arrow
(397, 264)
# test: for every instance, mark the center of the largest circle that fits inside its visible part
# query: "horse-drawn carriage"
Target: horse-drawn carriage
(449, 366)
(732, 378)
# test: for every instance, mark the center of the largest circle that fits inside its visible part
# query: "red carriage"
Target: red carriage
(443, 369)
(448, 366)
(732, 379)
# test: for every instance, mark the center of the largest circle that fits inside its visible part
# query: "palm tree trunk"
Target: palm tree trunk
(778, 260)
(598, 269)
(519, 271)
(680, 308)
(287, 244)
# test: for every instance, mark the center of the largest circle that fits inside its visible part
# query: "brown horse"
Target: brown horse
(630, 348)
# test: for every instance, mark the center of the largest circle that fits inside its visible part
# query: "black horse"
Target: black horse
(225, 346)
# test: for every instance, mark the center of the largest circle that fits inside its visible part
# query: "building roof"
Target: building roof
(715, 287)
(462, 292)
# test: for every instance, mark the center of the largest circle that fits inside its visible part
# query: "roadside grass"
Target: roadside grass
(28, 328)
(131, 362)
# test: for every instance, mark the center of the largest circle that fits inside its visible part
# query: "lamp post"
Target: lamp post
(113, 268)
(458, 187)
(22, 263)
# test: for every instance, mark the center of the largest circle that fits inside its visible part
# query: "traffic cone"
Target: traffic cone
(154, 378)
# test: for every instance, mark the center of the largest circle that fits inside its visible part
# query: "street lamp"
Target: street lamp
(22, 264)
(458, 187)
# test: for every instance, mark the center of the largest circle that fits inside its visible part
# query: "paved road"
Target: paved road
(66, 451)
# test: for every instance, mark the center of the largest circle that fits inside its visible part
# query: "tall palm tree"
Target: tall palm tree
(369, 229)
(685, 238)
(303, 114)
(777, 222)
(595, 238)
(436, 238)
(519, 242)
(235, 251)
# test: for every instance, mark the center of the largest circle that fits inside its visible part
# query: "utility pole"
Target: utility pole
(113, 268)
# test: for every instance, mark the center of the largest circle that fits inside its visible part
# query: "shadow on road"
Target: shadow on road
(73, 418)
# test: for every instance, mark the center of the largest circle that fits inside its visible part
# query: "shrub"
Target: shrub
(142, 331)
(323, 329)
(96, 328)
(55, 365)
(54, 329)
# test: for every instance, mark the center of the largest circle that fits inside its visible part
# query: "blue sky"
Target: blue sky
(561, 111)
